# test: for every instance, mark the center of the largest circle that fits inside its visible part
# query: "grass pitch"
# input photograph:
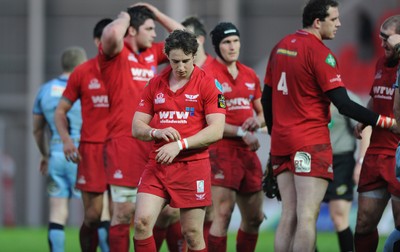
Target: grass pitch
(35, 240)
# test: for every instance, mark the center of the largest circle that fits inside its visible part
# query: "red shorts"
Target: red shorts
(312, 161)
(378, 172)
(235, 167)
(91, 176)
(125, 160)
(183, 184)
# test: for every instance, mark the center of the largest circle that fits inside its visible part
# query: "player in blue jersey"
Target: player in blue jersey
(61, 173)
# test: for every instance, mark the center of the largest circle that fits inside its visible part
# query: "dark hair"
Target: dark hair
(99, 27)
(316, 9)
(181, 39)
(198, 27)
(139, 14)
(392, 21)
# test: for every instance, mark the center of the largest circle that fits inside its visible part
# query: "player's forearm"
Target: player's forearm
(210, 134)
(61, 122)
(142, 131)
(41, 143)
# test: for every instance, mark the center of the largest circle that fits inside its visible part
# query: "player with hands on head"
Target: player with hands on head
(302, 79)
(189, 112)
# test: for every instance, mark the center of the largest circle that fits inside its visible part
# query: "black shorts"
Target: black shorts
(342, 185)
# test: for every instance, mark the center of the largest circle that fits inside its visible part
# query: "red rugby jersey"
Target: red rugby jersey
(239, 93)
(85, 83)
(125, 76)
(300, 70)
(185, 110)
(382, 92)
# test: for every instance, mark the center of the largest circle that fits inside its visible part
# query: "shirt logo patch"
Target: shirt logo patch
(142, 74)
(200, 196)
(302, 162)
(221, 101)
(286, 52)
(100, 101)
(191, 98)
(57, 91)
(330, 60)
(118, 174)
(378, 74)
(336, 79)
(200, 186)
(132, 57)
(218, 85)
(81, 180)
(226, 88)
(94, 84)
(250, 86)
(149, 59)
(159, 98)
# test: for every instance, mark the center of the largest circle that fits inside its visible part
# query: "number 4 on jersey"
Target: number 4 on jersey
(282, 84)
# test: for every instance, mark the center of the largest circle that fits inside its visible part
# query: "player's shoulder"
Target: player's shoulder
(245, 68)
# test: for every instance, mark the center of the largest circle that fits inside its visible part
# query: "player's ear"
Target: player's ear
(132, 31)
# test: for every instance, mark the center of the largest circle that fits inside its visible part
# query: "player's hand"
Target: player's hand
(252, 141)
(167, 153)
(269, 183)
(168, 134)
(149, 6)
(71, 152)
(44, 165)
(124, 15)
(358, 130)
(251, 124)
(393, 40)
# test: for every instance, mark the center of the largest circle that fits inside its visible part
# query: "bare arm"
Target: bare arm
(112, 39)
(60, 118)
(167, 22)
(362, 149)
(39, 126)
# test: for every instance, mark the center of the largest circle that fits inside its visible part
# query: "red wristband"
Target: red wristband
(385, 122)
(153, 133)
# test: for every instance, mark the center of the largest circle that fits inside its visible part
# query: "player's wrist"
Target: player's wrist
(240, 132)
(183, 144)
(360, 160)
(386, 122)
(152, 133)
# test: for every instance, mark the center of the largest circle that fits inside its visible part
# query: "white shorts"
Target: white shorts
(122, 194)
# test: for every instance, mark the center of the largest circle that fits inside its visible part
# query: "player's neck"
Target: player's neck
(200, 59)
(314, 32)
(176, 82)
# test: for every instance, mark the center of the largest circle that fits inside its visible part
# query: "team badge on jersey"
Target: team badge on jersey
(330, 60)
(221, 101)
(302, 162)
(218, 85)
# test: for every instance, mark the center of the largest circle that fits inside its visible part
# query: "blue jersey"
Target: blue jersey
(46, 103)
